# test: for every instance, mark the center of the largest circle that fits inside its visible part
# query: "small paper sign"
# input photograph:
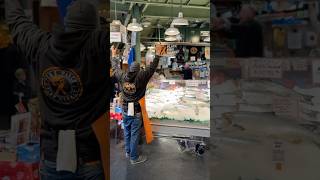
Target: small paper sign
(161, 50)
(300, 65)
(265, 68)
(286, 106)
(191, 83)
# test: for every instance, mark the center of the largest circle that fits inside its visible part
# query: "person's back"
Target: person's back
(72, 72)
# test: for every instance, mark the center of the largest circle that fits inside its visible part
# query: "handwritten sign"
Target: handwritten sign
(300, 65)
(161, 50)
(286, 106)
(265, 68)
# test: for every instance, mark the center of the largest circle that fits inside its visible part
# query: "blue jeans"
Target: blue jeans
(93, 171)
(132, 126)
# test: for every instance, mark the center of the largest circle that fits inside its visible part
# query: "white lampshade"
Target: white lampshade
(172, 31)
(180, 21)
(116, 22)
(170, 38)
(134, 26)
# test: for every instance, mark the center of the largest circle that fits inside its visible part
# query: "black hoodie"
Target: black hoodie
(72, 72)
(133, 83)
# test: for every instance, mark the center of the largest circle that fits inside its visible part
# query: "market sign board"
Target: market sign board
(265, 68)
(115, 37)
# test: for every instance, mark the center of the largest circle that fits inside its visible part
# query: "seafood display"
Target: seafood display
(179, 100)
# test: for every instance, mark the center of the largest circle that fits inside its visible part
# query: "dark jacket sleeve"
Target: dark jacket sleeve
(117, 73)
(27, 36)
(145, 76)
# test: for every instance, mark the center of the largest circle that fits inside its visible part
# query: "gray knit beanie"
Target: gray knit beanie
(81, 15)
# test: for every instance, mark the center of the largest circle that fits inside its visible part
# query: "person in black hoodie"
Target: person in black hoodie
(73, 81)
(133, 85)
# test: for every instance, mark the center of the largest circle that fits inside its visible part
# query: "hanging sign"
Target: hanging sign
(161, 50)
(115, 37)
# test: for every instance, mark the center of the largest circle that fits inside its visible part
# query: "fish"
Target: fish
(225, 99)
(267, 125)
(265, 86)
(313, 92)
(255, 108)
(258, 98)
(228, 87)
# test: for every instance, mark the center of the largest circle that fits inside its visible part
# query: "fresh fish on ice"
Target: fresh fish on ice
(257, 98)
(225, 99)
(227, 87)
(265, 86)
(266, 125)
(255, 108)
(314, 92)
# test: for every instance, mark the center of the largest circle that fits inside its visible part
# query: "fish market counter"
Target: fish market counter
(176, 128)
(179, 107)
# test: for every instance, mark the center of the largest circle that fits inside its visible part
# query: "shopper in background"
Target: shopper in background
(133, 84)
(247, 33)
(187, 72)
(21, 90)
(74, 90)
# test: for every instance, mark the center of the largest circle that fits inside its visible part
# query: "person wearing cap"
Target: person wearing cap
(247, 33)
(71, 68)
(133, 85)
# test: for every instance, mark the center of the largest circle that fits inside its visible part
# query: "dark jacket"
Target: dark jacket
(133, 85)
(72, 72)
(248, 37)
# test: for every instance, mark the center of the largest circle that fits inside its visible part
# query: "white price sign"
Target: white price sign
(265, 68)
(115, 37)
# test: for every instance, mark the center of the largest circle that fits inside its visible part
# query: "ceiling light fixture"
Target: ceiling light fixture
(180, 21)
(115, 21)
(172, 31)
(134, 26)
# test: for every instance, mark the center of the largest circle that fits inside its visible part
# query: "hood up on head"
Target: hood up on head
(134, 69)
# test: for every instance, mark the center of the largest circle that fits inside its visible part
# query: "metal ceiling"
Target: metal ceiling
(162, 12)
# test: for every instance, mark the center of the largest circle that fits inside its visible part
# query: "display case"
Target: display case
(182, 105)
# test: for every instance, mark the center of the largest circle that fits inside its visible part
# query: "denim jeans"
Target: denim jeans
(132, 126)
(88, 171)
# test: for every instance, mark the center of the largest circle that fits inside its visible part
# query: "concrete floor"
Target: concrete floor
(165, 162)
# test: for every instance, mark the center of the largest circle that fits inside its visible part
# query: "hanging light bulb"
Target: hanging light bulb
(172, 31)
(134, 26)
(115, 21)
(180, 21)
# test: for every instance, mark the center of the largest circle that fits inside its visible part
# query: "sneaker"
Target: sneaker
(140, 159)
(127, 155)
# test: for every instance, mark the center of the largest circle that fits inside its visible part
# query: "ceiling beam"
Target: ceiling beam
(127, 20)
(145, 8)
(130, 7)
(169, 17)
(162, 4)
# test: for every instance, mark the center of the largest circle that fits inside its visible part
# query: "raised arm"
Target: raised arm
(116, 70)
(27, 36)
(149, 71)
